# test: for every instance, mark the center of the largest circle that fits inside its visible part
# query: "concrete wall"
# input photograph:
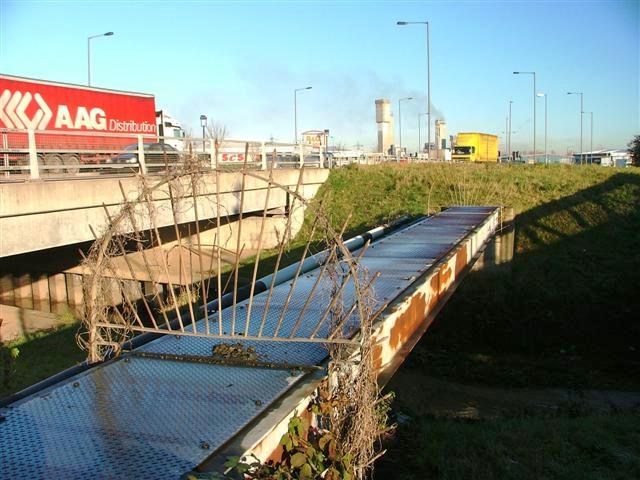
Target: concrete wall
(38, 215)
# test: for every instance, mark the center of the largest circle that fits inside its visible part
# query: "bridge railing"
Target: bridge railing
(41, 154)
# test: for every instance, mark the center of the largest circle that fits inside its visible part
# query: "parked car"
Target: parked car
(155, 154)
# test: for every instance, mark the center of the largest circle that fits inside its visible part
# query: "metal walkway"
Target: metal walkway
(140, 417)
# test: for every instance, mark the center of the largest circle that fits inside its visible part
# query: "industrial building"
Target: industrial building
(384, 119)
(612, 157)
(443, 149)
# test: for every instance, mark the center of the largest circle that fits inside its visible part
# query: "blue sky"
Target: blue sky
(238, 62)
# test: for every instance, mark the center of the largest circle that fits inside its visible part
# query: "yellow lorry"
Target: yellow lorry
(475, 147)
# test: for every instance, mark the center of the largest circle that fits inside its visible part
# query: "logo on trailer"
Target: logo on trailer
(13, 111)
(13, 114)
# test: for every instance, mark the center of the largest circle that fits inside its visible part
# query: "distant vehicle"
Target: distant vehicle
(154, 154)
(72, 111)
(475, 147)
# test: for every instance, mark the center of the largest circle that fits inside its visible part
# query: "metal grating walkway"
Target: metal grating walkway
(136, 417)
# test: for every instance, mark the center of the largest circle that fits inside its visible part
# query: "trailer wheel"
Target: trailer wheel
(54, 162)
(72, 163)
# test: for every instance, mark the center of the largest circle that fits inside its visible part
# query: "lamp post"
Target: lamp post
(400, 118)
(203, 123)
(295, 111)
(534, 109)
(591, 138)
(428, 83)
(546, 157)
(108, 34)
(581, 112)
(509, 131)
(419, 136)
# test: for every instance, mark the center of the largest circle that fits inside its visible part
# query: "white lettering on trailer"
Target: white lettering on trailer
(13, 110)
(131, 126)
(63, 118)
(94, 120)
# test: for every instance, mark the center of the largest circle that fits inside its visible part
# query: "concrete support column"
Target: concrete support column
(22, 291)
(74, 289)
(507, 236)
(57, 290)
(6, 289)
(113, 294)
(40, 289)
(501, 247)
(132, 290)
(151, 290)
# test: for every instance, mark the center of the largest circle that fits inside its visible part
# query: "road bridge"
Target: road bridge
(39, 215)
(144, 416)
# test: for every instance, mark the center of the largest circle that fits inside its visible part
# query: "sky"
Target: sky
(239, 62)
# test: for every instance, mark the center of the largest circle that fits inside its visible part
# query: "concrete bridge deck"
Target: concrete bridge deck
(139, 417)
(38, 215)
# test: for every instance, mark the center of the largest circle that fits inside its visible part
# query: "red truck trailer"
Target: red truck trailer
(73, 124)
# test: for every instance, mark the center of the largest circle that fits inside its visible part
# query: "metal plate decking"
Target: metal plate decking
(136, 417)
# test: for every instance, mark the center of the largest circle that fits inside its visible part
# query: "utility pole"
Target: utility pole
(534, 109)
(581, 113)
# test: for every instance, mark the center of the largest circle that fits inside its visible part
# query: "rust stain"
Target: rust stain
(377, 357)
(434, 287)
(461, 259)
(276, 455)
(408, 322)
(445, 276)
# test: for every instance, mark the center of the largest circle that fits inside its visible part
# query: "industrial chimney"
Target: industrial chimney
(384, 119)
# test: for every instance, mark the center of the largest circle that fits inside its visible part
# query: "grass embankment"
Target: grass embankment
(563, 311)
(562, 314)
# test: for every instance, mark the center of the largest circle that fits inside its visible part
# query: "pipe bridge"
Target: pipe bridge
(160, 410)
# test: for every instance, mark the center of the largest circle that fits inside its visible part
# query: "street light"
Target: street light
(546, 157)
(419, 138)
(295, 110)
(203, 123)
(581, 112)
(509, 131)
(428, 83)
(400, 118)
(108, 34)
(534, 109)
(591, 140)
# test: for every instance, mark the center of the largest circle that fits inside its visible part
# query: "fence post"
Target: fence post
(264, 157)
(321, 160)
(143, 165)
(212, 154)
(33, 156)
(301, 155)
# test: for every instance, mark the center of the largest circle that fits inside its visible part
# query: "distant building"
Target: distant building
(441, 134)
(612, 157)
(442, 150)
(384, 120)
(316, 138)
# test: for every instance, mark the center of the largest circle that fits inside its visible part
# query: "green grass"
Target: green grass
(39, 356)
(563, 311)
(588, 446)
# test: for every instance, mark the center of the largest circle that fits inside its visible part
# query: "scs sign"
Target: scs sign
(232, 157)
(31, 104)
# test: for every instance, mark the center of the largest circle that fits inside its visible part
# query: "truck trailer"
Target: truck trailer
(475, 147)
(62, 115)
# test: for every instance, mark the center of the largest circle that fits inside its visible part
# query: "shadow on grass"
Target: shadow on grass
(40, 356)
(565, 311)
